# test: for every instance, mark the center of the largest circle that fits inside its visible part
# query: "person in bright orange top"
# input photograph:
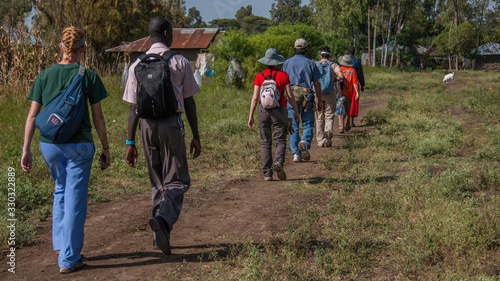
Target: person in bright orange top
(350, 90)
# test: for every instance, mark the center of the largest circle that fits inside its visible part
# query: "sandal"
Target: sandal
(78, 264)
(65, 270)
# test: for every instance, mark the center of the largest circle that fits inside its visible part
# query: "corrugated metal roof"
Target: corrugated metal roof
(490, 48)
(183, 38)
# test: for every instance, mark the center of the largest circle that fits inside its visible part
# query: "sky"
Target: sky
(216, 9)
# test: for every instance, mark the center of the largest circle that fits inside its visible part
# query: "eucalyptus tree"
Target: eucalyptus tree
(346, 19)
(290, 12)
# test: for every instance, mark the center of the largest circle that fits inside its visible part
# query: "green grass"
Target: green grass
(417, 197)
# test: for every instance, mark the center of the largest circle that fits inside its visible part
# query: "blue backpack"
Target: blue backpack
(61, 118)
(326, 80)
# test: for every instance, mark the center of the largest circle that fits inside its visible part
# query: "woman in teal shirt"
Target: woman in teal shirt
(69, 163)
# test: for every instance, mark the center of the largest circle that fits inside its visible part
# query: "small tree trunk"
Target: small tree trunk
(397, 31)
(382, 34)
(369, 31)
(449, 46)
(374, 59)
(388, 39)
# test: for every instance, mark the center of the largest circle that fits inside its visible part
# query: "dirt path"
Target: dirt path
(118, 241)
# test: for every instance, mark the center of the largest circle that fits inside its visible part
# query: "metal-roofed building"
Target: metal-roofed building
(187, 41)
(487, 57)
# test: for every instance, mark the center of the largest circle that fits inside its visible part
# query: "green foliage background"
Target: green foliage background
(249, 48)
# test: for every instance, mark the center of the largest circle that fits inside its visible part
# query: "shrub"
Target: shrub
(236, 44)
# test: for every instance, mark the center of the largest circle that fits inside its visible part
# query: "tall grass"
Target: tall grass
(24, 54)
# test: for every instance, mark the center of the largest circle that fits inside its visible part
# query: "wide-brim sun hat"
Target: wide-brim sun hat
(272, 57)
(346, 60)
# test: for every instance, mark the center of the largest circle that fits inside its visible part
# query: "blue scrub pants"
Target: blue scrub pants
(308, 124)
(69, 166)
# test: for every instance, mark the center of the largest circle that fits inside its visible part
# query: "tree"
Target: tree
(289, 12)
(13, 11)
(243, 12)
(107, 22)
(225, 24)
(343, 18)
(194, 18)
(463, 41)
(250, 23)
(255, 24)
(175, 12)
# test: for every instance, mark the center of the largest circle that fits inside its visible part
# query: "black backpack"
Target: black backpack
(155, 94)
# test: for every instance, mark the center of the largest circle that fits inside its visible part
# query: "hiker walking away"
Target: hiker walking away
(351, 51)
(69, 162)
(303, 73)
(350, 90)
(330, 74)
(162, 129)
(269, 92)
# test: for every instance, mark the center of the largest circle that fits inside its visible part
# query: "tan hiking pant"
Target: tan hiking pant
(325, 118)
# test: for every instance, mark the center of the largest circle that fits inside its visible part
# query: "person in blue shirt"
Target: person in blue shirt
(351, 51)
(304, 74)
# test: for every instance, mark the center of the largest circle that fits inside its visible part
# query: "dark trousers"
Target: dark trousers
(273, 126)
(165, 155)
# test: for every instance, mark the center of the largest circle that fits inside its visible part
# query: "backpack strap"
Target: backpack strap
(269, 76)
(81, 70)
(262, 73)
(75, 94)
(168, 54)
(141, 57)
(274, 75)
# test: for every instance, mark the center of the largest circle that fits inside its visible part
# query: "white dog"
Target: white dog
(448, 77)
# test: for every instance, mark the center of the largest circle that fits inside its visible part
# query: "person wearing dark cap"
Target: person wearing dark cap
(303, 73)
(350, 90)
(351, 51)
(163, 139)
(272, 116)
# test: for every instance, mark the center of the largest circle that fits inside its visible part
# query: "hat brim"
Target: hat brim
(268, 61)
(344, 63)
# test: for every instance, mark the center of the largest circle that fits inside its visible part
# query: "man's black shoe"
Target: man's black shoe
(158, 225)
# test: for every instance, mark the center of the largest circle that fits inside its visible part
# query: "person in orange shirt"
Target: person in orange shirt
(350, 90)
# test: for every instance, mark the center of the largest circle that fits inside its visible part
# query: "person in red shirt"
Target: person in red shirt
(350, 90)
(273, 121)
